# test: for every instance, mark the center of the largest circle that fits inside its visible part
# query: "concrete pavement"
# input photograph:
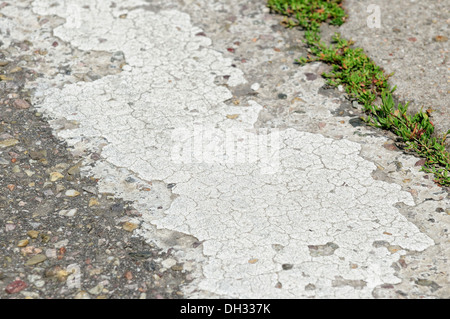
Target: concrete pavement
(265, 182)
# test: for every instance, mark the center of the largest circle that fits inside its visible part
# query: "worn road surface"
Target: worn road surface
(210, 165)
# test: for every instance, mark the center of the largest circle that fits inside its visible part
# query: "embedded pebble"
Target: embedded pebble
(68, 213)
(8, 142)
(82, 295)
(93, 202)
(54, 176)
(72, 193)
(255, 86)
(96, 290)
(167, 263)
(129, 226)
(36, 260)
(21, 104)
(33, 233)
(23, 243)
(16, 286)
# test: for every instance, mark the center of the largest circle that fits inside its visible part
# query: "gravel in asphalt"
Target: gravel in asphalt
(60, 237)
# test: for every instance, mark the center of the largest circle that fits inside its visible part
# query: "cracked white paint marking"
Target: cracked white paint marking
(319, 215)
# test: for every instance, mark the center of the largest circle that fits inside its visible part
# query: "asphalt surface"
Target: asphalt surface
(60, 237)
(171, 149)
(411, 41)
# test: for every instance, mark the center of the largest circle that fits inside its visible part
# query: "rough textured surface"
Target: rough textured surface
(59, 236)
(262, 180)
(411, 41)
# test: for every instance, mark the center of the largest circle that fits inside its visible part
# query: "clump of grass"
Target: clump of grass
(309, 14)
(417, 133)
(365, 82)
(362, 79)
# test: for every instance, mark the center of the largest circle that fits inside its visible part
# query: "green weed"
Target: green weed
(309, 14)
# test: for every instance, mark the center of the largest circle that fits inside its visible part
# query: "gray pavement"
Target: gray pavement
(411, 40)
(260, 180)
